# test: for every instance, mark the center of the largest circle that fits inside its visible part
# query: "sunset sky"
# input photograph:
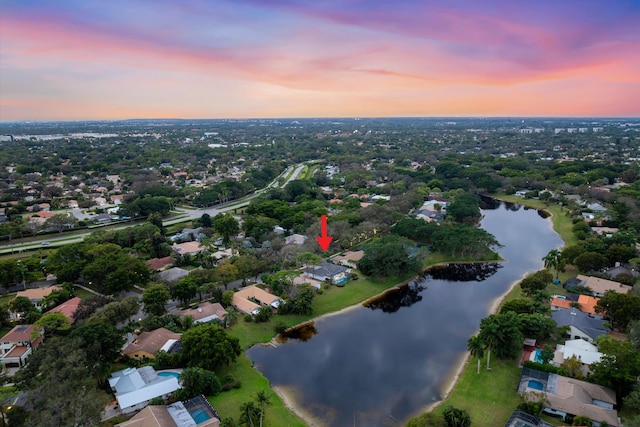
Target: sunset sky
(117, 59)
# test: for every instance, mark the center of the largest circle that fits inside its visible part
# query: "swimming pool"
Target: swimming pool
(199, 415)
(168, 374)
(536, 385)
(537, 357)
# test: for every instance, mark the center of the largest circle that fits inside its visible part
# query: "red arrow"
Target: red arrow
(324, 241)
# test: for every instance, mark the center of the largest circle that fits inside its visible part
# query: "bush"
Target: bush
(540, 367)
(264, 314)
(279, 327)
(248, 318)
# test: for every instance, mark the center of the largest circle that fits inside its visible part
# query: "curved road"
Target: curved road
(184, 215)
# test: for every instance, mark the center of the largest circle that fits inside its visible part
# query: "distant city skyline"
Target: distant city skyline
(78, 60)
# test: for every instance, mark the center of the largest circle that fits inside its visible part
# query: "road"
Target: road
(183, 215)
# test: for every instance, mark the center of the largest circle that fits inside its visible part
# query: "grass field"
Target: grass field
(228, 403)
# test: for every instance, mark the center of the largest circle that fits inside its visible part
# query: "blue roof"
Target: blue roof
(591, 325)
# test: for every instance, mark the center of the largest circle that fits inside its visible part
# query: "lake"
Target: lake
(379, 365)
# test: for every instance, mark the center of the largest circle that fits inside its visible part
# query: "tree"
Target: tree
(249, 414)
(196, 381)
(547, 353)
(59, 386)
(501, 332)
(101, 343)
(455, 417)
(54, 324)
(619, 367)
(22, 305)
(620, 308)
(572, 367)
(388, 256)
(553, 260)
(263, 399)
(225, 225)
(536, 325)
(476, 348)
(590, 261)
(117, 311)
(537, 281)
(464, 208)
(185, 289)
(88, 306)
(209, 346)
(154, 299)
(265, 313)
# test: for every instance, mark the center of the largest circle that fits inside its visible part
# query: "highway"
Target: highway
(181, 215)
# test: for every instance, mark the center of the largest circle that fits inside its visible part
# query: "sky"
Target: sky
(121, 59)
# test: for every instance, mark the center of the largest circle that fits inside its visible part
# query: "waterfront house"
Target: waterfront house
(249, 300)
(205, 312)
(599, 286)
(581, 325)
(325, 271)
(134, 388)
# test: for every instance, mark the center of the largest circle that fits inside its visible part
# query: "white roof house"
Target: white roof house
(135, 387)
(586, 352)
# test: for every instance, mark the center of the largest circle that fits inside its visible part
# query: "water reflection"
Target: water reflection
(303, 332)
(401, 296)
(463, 272)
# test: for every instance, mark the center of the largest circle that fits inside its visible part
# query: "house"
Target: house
(68, 308)
(581, 325)
(522, 419)
(134, 388)
(631, 270)
(158, 264)
(195, 412)
(348, 259)
(599, 286)
(326, 271)
(189, 234)
(188, 248)
(173, 274)
(36, 295)
(585, 303)
(584, 351)
(205, 312)
(570, 397)
(295, 239)
(148, 343)
(17, 344)
(249, 300)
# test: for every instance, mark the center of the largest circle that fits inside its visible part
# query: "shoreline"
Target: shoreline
(454, 375)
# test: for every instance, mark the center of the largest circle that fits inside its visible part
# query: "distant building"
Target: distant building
(205, 312)
(18, 344)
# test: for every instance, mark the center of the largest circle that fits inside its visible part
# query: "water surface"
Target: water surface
(378, 365)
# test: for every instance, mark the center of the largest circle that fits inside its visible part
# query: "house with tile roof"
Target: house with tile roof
(188, 248)
(18, 344)
(148, 343)
(599, 286)
(205, 312)
(134, 388)
(348, 259)
(159, 264)
(249, 300)
(195, 412)
(567, 397)
(36, 295)
(173, 274)
(68, 308)
(585, 303)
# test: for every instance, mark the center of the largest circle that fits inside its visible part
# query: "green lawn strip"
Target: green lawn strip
(490, 397)
(562, 224)
(228, 403)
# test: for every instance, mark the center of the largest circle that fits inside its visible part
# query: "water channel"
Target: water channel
(379, 365)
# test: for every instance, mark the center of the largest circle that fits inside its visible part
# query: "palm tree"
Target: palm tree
(476, 348)
(489, 334)
(553, 261)
(262, 398)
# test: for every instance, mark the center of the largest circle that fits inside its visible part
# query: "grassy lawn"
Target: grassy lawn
(490, 397)
(228, 403)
